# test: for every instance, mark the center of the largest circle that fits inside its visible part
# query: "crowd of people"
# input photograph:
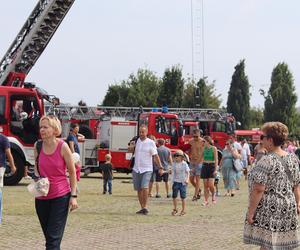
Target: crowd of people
(197, 162)
(272, 173)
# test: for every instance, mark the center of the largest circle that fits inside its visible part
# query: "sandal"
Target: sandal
(194, 198)
(199, 194)
(205, 204)
(182, 213)
(174, 212)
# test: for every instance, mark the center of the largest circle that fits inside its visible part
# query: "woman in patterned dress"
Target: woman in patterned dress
(226, 164)
(274, 194)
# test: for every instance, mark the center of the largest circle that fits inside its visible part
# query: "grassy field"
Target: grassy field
(110, 222)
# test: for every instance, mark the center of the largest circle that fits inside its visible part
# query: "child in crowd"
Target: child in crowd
(181, 174)
(107, 174)
(217, 178)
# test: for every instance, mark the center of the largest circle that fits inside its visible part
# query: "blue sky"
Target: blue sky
(102, 42)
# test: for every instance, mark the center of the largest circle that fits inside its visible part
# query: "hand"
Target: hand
(186, 182)
(13, 169)
(161, 171)
(215, 173)
(250, 218)
(73, 204)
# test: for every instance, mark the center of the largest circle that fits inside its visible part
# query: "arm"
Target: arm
(216, 160)
(10, 160)
(36, 173)
(235, 154)
(255, 197)
(80, 137)
(71, 145)
(170, 160)
(67, 155)
(187, 176)
(297, 196)
(221, 162)
(157, 161)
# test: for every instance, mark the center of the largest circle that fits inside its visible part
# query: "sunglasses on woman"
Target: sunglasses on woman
(264, 136)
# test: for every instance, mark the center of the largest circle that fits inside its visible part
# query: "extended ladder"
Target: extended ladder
(68, 112)
(183, 113)
(33, 39)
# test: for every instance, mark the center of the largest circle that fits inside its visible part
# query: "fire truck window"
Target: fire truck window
(219, 127)
(2, 110)
(144, 121)
(24, 118)
(2, 106)
(166, 126)
(204, 126)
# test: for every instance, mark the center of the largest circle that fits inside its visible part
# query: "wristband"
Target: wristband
(74, 195)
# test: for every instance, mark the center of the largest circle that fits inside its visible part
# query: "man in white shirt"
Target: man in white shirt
(246, 154)
(145, 152)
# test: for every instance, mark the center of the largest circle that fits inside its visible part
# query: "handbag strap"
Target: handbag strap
(39, 145)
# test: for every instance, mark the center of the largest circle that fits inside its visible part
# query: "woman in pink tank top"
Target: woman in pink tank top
(54, 160)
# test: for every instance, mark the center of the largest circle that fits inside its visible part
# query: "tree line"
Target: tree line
(147, 89)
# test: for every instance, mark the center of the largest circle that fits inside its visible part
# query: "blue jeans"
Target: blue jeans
(53, 215)
(107, 182)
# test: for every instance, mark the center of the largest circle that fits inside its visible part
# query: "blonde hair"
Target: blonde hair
(108, 157)
(54, 122)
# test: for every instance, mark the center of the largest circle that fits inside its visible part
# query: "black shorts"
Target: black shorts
(207, 171)
(164, 177)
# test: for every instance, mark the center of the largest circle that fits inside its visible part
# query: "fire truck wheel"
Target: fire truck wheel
(14, 179)
(86, 131)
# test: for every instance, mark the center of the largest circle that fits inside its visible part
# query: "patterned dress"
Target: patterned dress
(276, 221)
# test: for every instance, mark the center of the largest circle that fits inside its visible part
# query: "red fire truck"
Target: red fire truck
(22, 104)
(173, 125)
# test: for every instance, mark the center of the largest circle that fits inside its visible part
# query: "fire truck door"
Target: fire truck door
(24, 118)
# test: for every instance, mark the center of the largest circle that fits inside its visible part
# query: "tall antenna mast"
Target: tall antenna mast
(197, 37)
(192, 38)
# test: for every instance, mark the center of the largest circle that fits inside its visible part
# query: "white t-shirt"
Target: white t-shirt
(180, 172)
(245, 152)
(144, 150)
(237, 146)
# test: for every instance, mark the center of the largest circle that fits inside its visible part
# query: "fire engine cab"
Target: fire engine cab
(21, 103)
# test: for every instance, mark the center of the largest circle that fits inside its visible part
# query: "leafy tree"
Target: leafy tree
(201, 95)
(256, 117)
(172, 87)
(189, 95)
(280, 103)
(143, 89)
(238, 102)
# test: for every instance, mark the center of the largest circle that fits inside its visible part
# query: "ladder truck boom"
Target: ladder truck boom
(32, 40)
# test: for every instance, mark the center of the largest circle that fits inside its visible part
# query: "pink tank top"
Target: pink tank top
(54, 167)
